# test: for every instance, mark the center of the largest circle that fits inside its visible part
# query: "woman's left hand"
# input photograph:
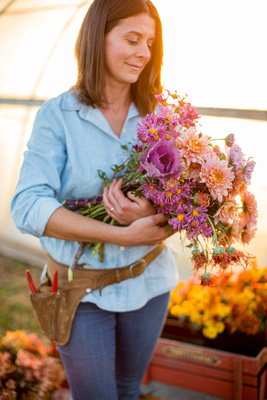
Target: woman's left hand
(125, 210)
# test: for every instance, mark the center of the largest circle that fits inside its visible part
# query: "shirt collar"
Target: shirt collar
(94, 115)
(71, 103)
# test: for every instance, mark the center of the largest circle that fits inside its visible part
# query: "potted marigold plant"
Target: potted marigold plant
(231, 315)
(28, 368)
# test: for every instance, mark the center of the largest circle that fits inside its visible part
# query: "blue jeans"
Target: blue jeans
(108, 352)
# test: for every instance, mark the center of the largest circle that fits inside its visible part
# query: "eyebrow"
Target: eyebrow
(139, 34)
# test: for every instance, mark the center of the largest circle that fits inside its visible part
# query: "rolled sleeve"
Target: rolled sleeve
(39, 184)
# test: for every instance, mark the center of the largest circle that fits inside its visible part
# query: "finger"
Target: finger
(110, 201)
(160, 218)
(134, 198)
(116, 196)
(107, 204)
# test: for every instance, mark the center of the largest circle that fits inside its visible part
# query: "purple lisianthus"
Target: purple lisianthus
(161, 161)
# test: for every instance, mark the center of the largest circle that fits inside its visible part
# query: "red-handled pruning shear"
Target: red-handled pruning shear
(32, 285)
(54, 285)
(30, 282)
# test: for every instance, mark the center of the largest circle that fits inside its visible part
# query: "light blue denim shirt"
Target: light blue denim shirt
(69, 143)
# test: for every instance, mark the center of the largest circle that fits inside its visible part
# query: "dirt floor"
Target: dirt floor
(15, 308)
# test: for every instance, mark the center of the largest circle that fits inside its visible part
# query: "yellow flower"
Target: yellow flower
(210, 332)
(176, 310)
(220, 327)
(222, 310)
(196, 318)
(188, 308)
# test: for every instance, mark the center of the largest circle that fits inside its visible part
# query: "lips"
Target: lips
(135, 67)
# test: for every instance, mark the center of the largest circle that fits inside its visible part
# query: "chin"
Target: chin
(132, 78)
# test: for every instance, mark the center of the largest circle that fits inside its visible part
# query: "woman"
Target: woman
(119, 56)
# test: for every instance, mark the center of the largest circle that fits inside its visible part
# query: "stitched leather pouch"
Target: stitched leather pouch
(55, 311)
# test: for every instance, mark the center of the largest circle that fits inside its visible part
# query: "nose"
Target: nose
(144, 51)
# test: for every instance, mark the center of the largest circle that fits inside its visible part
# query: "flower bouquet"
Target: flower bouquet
(28, 368)
(238, 303)
(201, 187)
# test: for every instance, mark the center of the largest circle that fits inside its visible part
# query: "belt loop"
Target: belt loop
(117, 275)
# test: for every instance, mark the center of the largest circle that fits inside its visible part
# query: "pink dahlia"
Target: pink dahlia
(217, 176)
(230, 140)
(226, 212)
(249, 212)
(236, 156)
(194, 147)
(234, 231)
(248, 169)
(239, 183)
(248, 234)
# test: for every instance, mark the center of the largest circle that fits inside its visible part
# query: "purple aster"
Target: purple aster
(150, 191)
(181, 220)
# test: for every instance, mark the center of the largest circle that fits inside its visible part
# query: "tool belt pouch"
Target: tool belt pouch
(55, 311)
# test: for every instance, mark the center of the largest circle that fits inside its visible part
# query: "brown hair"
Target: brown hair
(101, 17)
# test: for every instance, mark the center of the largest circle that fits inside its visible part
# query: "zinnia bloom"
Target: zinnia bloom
(217, 176)
(193, 147)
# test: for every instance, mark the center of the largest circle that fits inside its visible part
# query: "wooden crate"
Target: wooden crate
(240, 343)
(207, 370)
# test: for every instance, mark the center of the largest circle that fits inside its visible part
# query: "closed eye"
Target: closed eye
(133, 42)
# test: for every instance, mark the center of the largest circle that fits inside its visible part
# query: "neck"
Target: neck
(117, 97)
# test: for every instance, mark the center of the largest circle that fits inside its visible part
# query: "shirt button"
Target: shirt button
(122, 248)
(124, 130)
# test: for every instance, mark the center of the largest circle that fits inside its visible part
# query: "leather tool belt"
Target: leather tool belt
(55, 311)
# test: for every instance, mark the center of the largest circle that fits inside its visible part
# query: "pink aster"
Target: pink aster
(193, 146)
(217, 176)
(188, 114)
(150, 130)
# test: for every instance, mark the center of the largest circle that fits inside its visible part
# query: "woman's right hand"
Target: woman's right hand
(149, 230)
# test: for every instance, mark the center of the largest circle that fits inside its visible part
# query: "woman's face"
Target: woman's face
(128, 48)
